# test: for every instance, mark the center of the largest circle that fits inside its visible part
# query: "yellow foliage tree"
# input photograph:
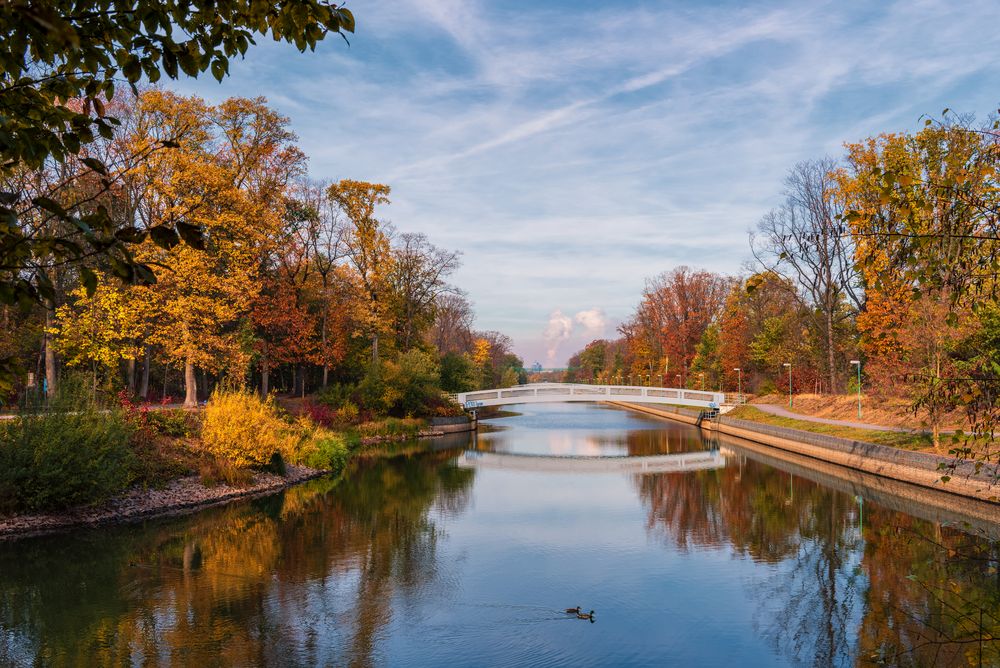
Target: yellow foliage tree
(99, 331)
(369, 251)
(228, 176)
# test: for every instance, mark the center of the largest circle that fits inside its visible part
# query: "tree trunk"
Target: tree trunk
(829, 349)
(144, 383)
(934, 412)
(326, 364)
(50, 352)
(265, 376)
(190, 384)
(130, 376)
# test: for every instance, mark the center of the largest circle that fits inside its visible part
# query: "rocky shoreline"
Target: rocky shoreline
(177, 497)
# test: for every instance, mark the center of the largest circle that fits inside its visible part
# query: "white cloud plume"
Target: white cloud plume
(558, 330)
(594, 321)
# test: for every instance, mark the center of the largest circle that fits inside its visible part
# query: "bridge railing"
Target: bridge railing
(536, 392)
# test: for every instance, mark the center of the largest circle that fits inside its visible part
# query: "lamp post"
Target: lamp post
(789, 365)
(702, 374)
(857, 363)
(739, 384)
(677, 377)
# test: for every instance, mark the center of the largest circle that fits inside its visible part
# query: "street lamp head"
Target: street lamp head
(737, 369)
(855, 361)
(786, 364)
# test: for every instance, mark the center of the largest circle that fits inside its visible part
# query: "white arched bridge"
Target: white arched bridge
(557, 392)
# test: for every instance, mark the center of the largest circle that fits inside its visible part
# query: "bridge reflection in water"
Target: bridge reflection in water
(685, 461)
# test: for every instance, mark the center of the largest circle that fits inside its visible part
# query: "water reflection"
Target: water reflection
(256, 584)
(852, 583)
(412, 560)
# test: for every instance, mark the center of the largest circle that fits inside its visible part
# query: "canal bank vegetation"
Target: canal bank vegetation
(285, 314)
(76, 452)
(875, 276)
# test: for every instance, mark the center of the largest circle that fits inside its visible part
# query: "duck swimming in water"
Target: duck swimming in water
(573, 611)
(587, 615)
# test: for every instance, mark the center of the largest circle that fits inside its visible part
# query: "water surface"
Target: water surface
(455, 556)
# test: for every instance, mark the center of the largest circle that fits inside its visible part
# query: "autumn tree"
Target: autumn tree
(327, 237)
(451, 331)
(763, 325)
(369, 250)
(227, 178)
(59, 68)
(101, 330)
(417, 282)
(676, 309)
(805, 240)
(921, 208)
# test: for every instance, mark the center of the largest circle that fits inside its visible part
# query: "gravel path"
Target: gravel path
(781, 411)
(176, 497)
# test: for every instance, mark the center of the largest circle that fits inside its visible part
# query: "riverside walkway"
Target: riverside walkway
(781, 411)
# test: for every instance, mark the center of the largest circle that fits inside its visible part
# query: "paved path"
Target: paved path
(781, 411)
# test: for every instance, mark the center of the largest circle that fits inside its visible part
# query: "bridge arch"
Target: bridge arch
(535, 393)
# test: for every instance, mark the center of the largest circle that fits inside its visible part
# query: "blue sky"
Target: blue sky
(572, 149)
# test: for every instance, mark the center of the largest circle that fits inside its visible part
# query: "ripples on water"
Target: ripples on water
(445, 558)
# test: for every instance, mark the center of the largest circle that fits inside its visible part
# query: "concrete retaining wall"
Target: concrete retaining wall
(452, 425)
(914, 467)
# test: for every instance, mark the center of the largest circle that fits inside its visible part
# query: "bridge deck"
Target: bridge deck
(558, 392)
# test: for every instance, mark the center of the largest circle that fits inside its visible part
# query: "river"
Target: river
(466, 552)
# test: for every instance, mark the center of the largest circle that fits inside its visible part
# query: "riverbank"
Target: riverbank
(962, 478)
(189, 493)
(179, 496)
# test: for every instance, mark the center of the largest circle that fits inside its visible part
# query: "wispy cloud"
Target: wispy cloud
(571, 150)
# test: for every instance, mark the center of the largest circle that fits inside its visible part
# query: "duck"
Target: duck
(587, 615)
(573, 611)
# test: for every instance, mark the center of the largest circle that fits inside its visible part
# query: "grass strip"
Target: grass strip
(896, 439)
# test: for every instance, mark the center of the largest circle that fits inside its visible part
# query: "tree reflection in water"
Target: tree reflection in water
(256, 583)
(891, 590)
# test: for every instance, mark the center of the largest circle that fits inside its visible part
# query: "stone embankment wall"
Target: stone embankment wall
(919, 468)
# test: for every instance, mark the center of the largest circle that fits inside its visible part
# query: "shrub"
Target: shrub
(441, 405)
(238, 426)
(215, 471)
(176, 422)
(391, 427)
(336, 395)
(372, 390)
(320, 413)
(458, 373)
(348, 413)
(325, 450)
(70, 454)
(411, 383)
